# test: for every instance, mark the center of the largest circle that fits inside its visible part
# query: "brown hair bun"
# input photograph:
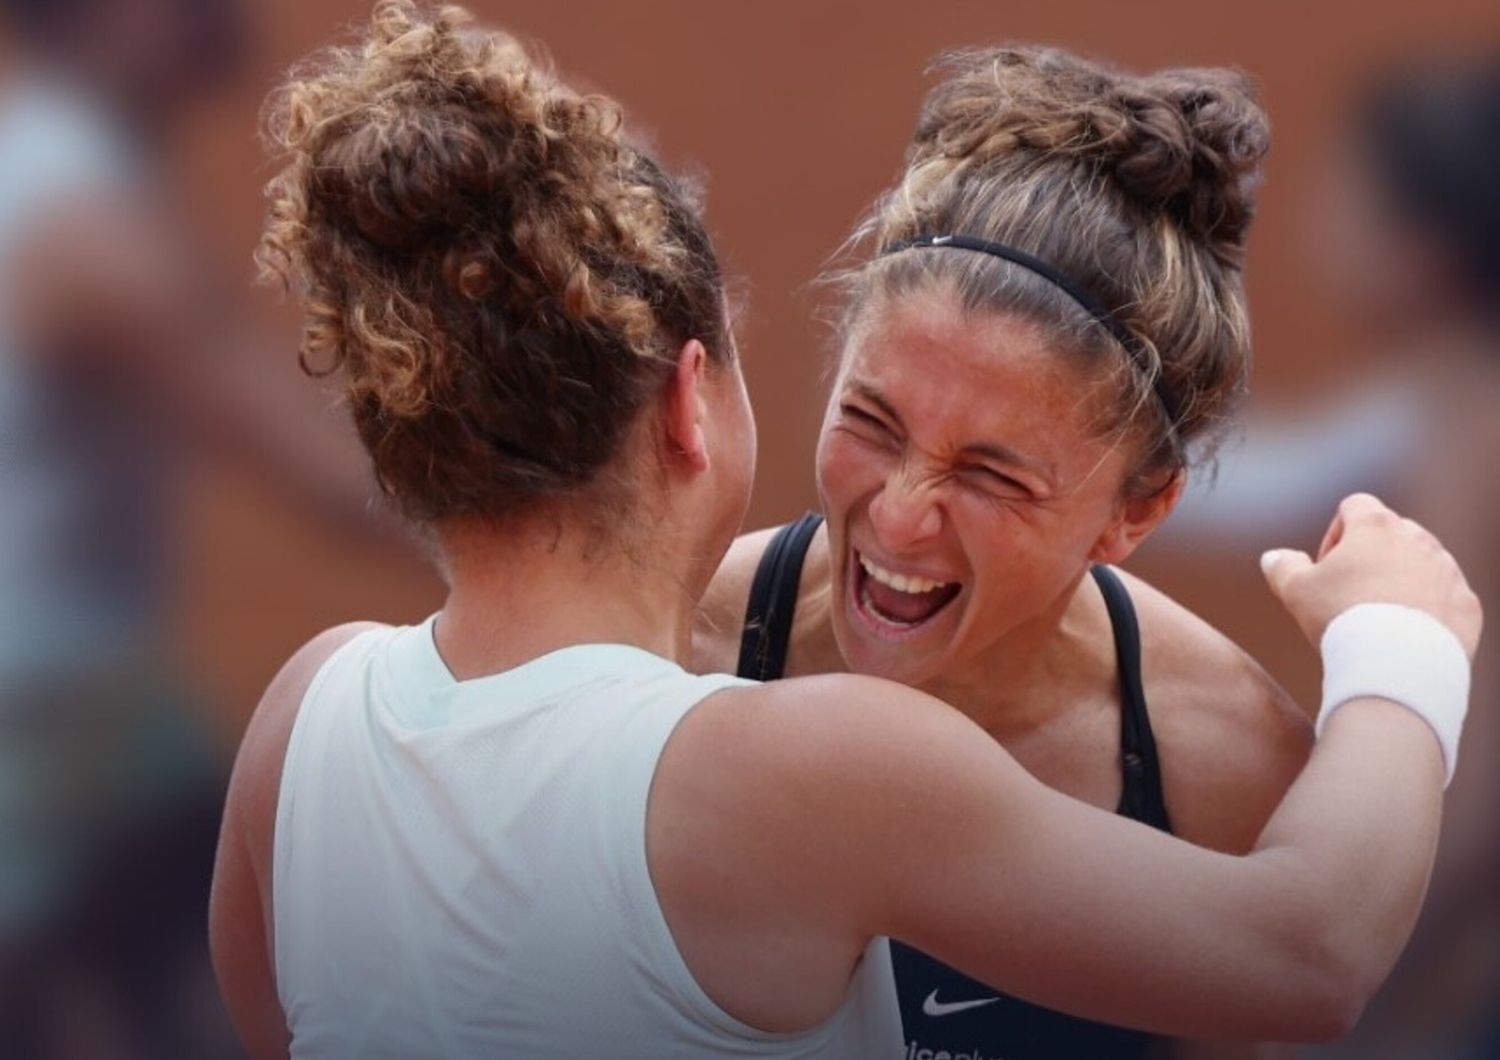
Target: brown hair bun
(1185, 142)
(1138, 189)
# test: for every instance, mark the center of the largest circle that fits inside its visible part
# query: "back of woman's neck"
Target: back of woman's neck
(514, 596)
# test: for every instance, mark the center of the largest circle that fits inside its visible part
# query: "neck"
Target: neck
(518, 592)
(1036, 671)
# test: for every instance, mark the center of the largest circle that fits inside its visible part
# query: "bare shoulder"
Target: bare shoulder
(239, 919)
(1231, 739)
(783, 746)
(777, 775)
(772, 818)
(250, 809)
(720, 617)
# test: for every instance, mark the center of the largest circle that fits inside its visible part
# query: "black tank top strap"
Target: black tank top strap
(944, 1012)
(941, 1008)
(773, 601)
(1141, 797)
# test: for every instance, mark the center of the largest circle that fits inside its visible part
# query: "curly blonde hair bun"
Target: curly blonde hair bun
(496, 275)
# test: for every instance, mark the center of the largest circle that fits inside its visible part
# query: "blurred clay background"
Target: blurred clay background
(162, 454)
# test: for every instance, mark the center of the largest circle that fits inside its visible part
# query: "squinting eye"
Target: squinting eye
(860, 416)
(992, 479)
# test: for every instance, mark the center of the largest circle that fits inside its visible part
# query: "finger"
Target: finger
(1359, 506)
(1280, 565)
(1334, 534)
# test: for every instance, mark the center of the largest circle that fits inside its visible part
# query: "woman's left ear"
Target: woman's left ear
(1135, 521)
(685, 407)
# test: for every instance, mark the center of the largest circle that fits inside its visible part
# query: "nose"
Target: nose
(904, 513)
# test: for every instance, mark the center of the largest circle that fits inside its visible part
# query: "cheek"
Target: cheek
(1004, 553)
(1019, 565)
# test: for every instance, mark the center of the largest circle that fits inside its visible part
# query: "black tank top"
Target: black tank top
(943, 1010)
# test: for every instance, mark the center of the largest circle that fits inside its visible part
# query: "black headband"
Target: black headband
(1078, 293)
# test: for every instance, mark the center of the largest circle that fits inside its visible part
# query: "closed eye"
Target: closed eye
(990, 479)
(867, 420)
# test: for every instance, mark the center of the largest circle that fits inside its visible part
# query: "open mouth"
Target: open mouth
(901, 603)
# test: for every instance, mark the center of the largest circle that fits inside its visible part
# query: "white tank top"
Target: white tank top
(460, 868)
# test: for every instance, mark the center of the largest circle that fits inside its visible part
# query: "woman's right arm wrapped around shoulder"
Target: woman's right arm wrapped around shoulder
(1083, 911)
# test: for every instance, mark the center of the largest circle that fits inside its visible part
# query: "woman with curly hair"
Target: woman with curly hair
(521, 828)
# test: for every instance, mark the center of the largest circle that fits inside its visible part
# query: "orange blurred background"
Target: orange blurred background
(798, 114)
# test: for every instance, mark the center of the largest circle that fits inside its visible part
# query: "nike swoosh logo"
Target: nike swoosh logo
(933, 1007)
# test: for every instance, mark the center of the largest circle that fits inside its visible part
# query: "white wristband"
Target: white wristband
(1404, 655)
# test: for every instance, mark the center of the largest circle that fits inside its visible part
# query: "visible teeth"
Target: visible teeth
(900, 582)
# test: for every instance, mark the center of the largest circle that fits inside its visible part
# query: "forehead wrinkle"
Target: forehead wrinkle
(1027, 341)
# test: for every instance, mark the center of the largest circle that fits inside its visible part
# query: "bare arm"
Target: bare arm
(240, 943)
(1231, 740)
(1078, 910)
(1290, 941)
(240, 924)
(839, 785)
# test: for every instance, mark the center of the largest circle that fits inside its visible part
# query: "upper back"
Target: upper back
(475, 854)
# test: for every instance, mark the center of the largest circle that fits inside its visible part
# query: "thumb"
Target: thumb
(1279, 565)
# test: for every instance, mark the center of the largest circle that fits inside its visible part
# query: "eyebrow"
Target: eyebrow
(876, 398)
(1001, 454)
